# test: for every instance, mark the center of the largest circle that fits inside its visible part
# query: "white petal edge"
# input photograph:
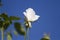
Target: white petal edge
(25, 14)
(36, 18)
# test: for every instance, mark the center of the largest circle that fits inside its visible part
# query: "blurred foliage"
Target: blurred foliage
(1, 23)
(5, 20)
(14, 18)
(16, 33)
(19, 28)
(9, 36)
(46, 37)
(4, 16)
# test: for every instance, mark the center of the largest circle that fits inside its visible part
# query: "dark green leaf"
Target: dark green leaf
(4, 16)
(14, 18)
(6, 24)
(19, 28)
(0, 18)
(5, 21)
(44, 39)
(1, 23)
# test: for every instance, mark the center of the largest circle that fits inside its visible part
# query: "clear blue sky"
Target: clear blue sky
(49, 22)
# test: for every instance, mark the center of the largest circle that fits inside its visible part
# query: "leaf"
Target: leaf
(6, 24)
(15, 32)
(44, 39)
(14, 18)
(9, 36)
(0, 18)
(19, 28)
(4, 16)
(1, 23)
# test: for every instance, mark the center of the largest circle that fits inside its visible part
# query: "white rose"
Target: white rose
(31, 15)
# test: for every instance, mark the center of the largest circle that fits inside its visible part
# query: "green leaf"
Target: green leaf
(9, 36)
(6, 24)
(15, 32)
(5, 21)
(4, 16)
(14, 18)
(19, 28)
(1, 23)
(0, 18)
(46, 37)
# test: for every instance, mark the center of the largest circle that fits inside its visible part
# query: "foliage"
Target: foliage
(6, 21)
(19, 28)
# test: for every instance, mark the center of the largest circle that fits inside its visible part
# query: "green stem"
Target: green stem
(25, 37)
(28, 38)
(2, 33)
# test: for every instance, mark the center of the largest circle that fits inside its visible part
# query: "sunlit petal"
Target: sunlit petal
(30, 14)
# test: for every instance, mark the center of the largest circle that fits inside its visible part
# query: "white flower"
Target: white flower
(31, 15)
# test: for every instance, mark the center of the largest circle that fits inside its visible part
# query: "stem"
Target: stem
(26, 37)
(2, 33)
(28, 34)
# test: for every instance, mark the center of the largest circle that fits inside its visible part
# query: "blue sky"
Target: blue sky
(49, 21)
